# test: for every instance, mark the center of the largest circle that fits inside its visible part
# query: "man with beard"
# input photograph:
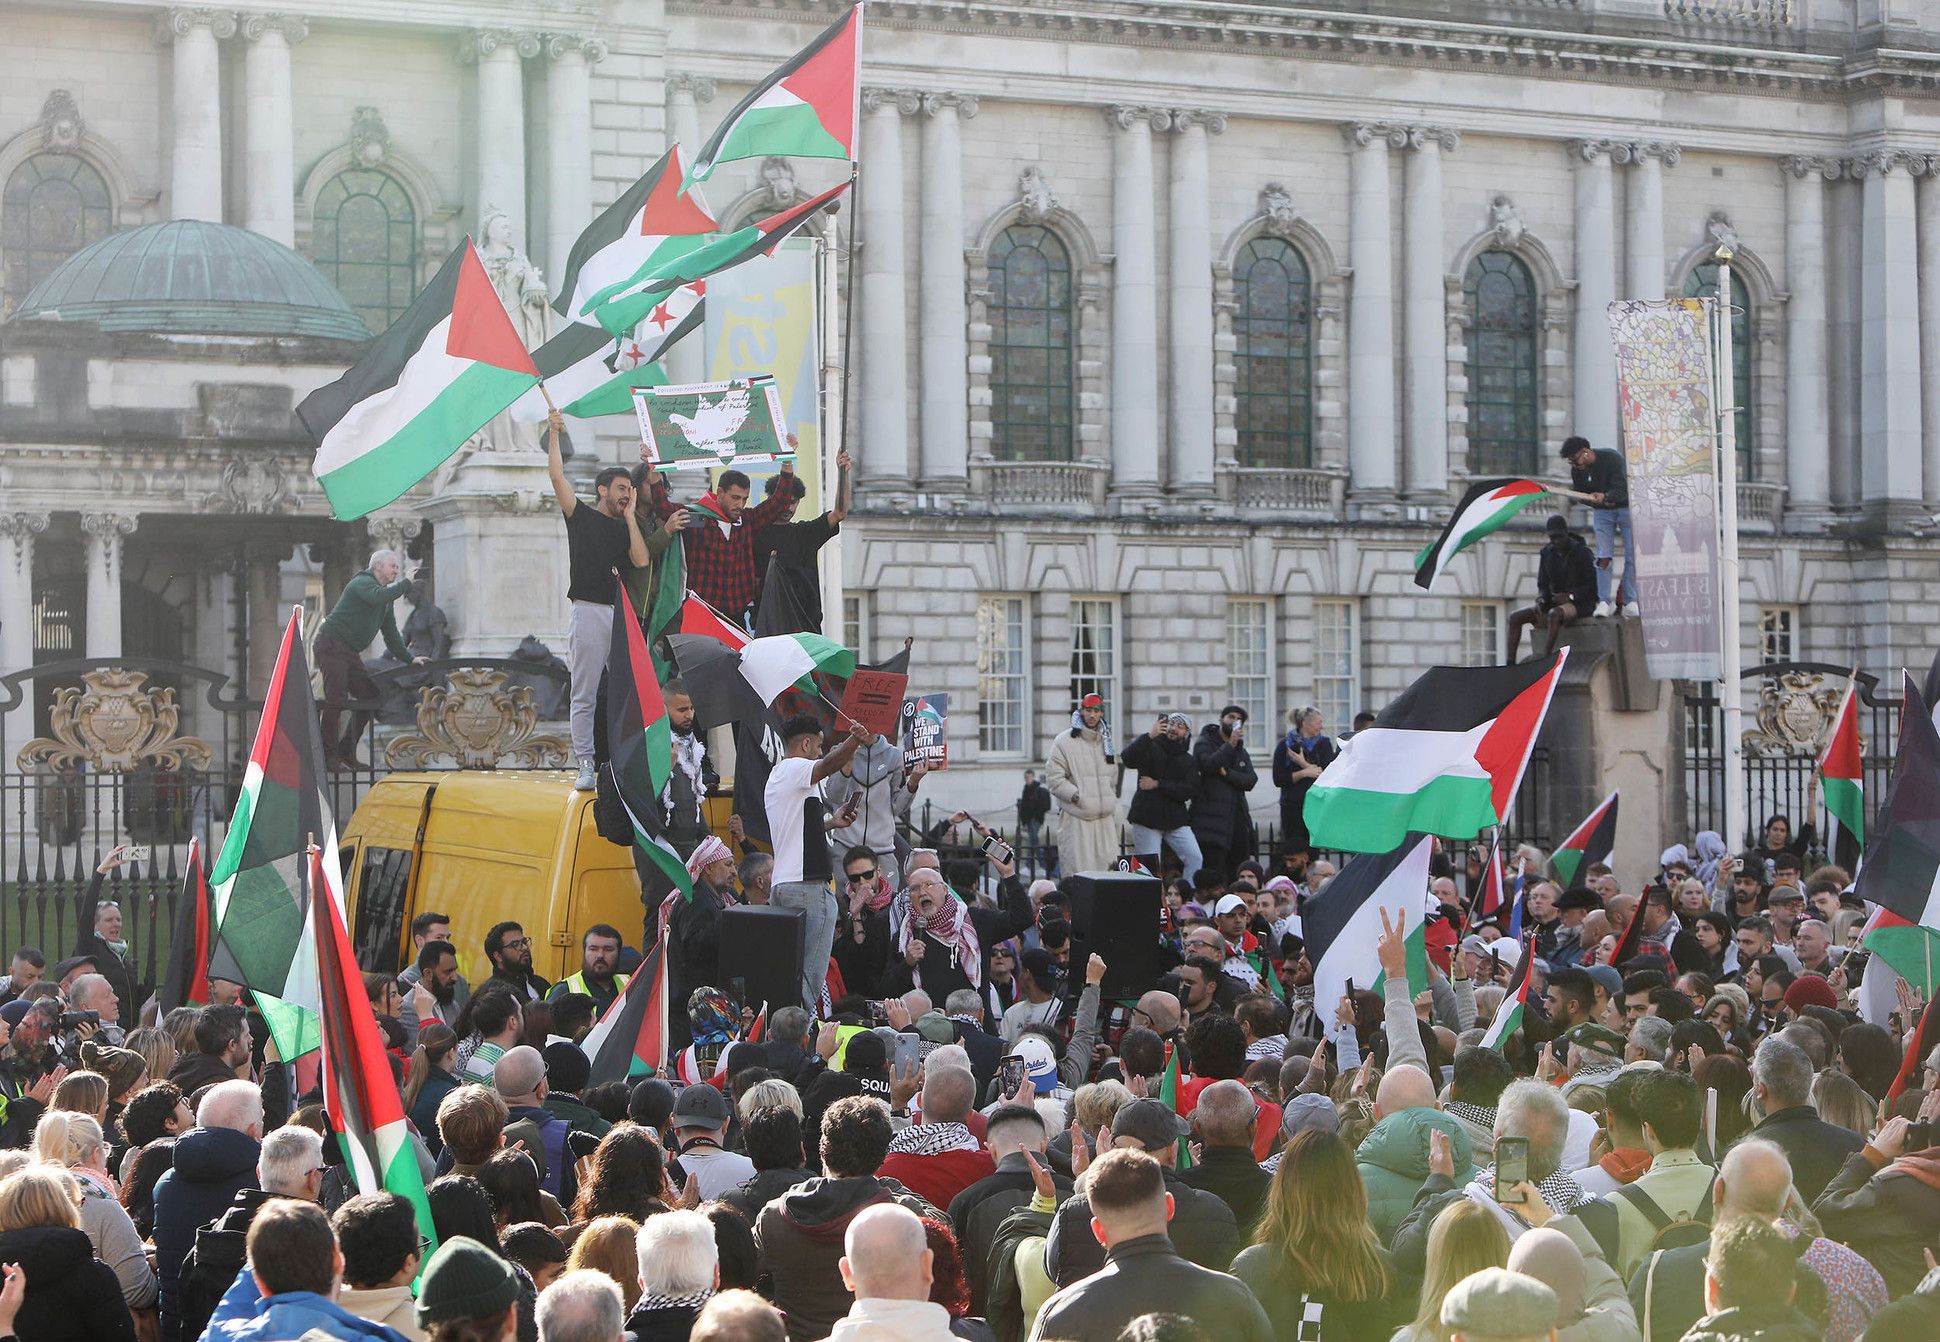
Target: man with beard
(1220, 820)
(1168, 781)
(510, 951)
(599, 954)
(688, 786)
(431, 988)
(940, 944)
(28, 1070)
(426, 927)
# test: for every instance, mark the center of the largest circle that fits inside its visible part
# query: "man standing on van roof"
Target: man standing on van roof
(600, 540)
(364, 610)
(599, 954)
(800, 824)
(510, 950)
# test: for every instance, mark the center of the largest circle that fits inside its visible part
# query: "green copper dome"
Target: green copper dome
(188, 277)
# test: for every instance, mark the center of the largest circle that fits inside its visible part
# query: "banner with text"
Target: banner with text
(926, 738)
(761, 318)
(1666, 399)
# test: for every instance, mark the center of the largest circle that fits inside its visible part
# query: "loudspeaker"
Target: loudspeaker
(1116, 915)
(763, 947)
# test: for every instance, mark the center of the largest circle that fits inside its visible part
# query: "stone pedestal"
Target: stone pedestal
(500, 553)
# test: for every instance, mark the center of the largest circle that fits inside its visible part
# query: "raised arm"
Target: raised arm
(780, 505)
(556, 465)
(832, 762)
(636, 544)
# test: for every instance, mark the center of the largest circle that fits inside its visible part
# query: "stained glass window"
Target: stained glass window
(53, 206)
(1703, 283)
(1502, 388)
(364, 239)
(1272, 355)
(1032, 409)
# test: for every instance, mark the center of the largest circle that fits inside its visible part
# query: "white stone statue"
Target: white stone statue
(522, 289)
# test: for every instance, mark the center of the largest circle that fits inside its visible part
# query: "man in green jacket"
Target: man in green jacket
(363, 610)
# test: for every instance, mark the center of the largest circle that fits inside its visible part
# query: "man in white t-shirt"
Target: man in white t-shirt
(799, 826)
(700, 1122)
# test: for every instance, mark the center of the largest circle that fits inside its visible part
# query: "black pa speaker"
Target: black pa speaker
(761, 955)
(1115, 914)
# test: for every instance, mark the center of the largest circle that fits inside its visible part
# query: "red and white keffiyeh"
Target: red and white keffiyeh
(952, 928)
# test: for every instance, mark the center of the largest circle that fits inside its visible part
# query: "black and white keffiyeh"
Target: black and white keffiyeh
(933, 1139)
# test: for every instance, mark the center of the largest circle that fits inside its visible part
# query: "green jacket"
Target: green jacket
(1393, 1160)
(363, 610)
(581, 1117)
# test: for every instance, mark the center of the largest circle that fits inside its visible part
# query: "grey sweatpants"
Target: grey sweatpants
(589, 636)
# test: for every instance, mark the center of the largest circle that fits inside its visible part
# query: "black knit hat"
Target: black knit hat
(465, 1280)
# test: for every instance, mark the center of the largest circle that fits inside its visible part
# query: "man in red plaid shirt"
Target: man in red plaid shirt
(720, 541)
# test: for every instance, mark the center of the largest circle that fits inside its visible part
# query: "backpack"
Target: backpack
(1671, 1233)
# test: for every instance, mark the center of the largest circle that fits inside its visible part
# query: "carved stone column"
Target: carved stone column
(943, 315)
(500, 122)
(263, 588)
(1596, 288)
(569, 139)
(105, 533)
(1424, 350)
(1928, 205)
(195, 165)
(1891, 455)
(269, 126)
(1191, 301)
(1808, 423)
(1134, 303)
(1644, 216)
(17, 534)
(885, 289)
(1370, 313)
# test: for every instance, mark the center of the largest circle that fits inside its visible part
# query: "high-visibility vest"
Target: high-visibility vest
(576, 983)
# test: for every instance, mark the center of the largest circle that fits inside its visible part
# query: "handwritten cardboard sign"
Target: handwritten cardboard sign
(875, 699)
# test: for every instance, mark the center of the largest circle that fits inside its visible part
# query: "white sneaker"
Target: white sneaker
(1603, 610)
(1631, 610)
(584, 782)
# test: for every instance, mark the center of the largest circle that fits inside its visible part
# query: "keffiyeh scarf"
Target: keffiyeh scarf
(933, 1139)
(1558, 1190)
(952, 928)
(689, 751)
(1104, 734)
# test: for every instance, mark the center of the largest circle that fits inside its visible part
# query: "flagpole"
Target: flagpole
(1730, 662)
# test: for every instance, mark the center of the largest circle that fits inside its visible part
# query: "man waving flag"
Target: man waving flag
(806, 109)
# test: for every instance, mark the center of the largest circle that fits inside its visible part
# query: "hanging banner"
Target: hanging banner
(1666, 401)
(761, 318)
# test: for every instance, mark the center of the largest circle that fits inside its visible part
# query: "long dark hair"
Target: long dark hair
(511, 1181)
(436, 1040)
(460, 1206)
(628, 1176)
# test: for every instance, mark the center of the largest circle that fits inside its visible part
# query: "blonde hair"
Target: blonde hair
(607, 1245)
(39, 1195)
(774, 1093)
(1842, 1103)
(81, 1093)
(157, 1048)
(1464, 1239)
(66, 1139)
(1098, 1103)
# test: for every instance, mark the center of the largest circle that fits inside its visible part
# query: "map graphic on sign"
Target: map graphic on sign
(708, 424)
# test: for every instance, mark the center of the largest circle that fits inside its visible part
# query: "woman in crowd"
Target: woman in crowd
(606, 1244)
(511, 1181)
(157, 1050)
(1314, 1244)
(1465, 1238)
(1729, 1012)
(431, 1077)
(71, 1295)
(1731, 1078)
(1298, 759)
(73, 1142)
(1843, 1103)
(1712, 933)
(82, 1093)
(628, 1177)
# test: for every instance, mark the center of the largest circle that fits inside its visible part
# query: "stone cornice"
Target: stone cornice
(1668, 154)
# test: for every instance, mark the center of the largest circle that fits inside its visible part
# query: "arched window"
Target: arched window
(364, 240)
(1273, 355)
(1031, 402)
(54, 205)
(1502, 412)
(1703, 283)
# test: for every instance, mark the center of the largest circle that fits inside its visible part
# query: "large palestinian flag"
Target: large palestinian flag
(431, 381)
(1444, 758)
(1342, 924)
(1593, 841)
(652, 222)
(359, 1094)
(808, 108)
(641, 740)
(772, 665)
(1485, 509)
(1515, 1003)
(1842, 783)
(1901, 872)
(187, 980)
(261, 890)
(590, 373)
(631, 1038)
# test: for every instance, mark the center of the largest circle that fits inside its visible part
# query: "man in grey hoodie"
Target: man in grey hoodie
(876, 775)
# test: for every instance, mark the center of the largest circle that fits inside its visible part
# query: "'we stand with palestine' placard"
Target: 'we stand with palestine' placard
(735, 423)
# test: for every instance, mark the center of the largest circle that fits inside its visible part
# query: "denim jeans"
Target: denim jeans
(1145, 843)
(817, 902)
(1606, 522)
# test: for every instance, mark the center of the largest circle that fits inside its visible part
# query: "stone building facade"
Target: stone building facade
(1172, 328)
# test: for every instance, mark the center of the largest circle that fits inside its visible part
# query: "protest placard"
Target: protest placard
(925, 738)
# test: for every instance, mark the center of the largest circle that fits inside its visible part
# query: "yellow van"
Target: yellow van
(484, 846)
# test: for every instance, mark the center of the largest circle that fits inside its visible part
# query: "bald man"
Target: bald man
(1755, 1179)
(1393, 1158)
(1223, 1120)
(888, 1265)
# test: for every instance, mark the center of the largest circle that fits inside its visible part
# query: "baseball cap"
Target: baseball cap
(1229, 904)
(1040, 1061)
(700, 1106)
(1092, 701)
(1151, 1123)
(1605, 977)
(1591, 1035)
(13, 1011)
(1309, 1113)
(936, 1028)
(1556, 522)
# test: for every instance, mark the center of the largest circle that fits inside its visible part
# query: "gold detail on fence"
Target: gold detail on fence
(478, 723)
(113, 723)
(1796, 710)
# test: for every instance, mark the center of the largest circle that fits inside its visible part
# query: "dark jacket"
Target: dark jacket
(1226, 775)
(798, 1240)
(686, 825)
(1147, 1276)
(1916, 1315)
(694, 942)
(1567, 572)
(1815, 1147)
(193, 1071)
(670, 1323)
(986, 1050)
(1231, 1174)
(1606, 476)
(1667, 1290)
(941, 973)
(1165, 807)
(221, 1249)
(977, 1213)
(210, 1165)
(524, 987)
(71, 1295)
(1269, 1275)
(18, 1113)
(1033, 803)
(863, 962)
(113, 968)
(1885, 1215)
(1203, 1227)
(1293, 793)
(424, 1111)
(1760, 1323)
(764, 1188)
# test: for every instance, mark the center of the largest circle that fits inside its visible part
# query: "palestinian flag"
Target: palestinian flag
(1901, 872)
(719, 253)
(697, 617)
(1593, 841)
(651, 223)
(1484, 510)
(1493, 895)
(630, 1040)
(431, 381)
(808, 108)
(359, 1095)
(1445, 758)
(1842, 783)
(1926, 1038)
(1902, 948)
(1169, 1097)
(1508, 1016)
(772, 665)
(261, 886)
(590, 373)
(1343, 923)
(187, 982)
(640, 739)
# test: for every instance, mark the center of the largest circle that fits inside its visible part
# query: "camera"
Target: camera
(72, 1019)
(1919, 1135)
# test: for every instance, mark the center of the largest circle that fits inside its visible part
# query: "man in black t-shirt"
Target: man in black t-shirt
(600, 540)
(795, 545)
